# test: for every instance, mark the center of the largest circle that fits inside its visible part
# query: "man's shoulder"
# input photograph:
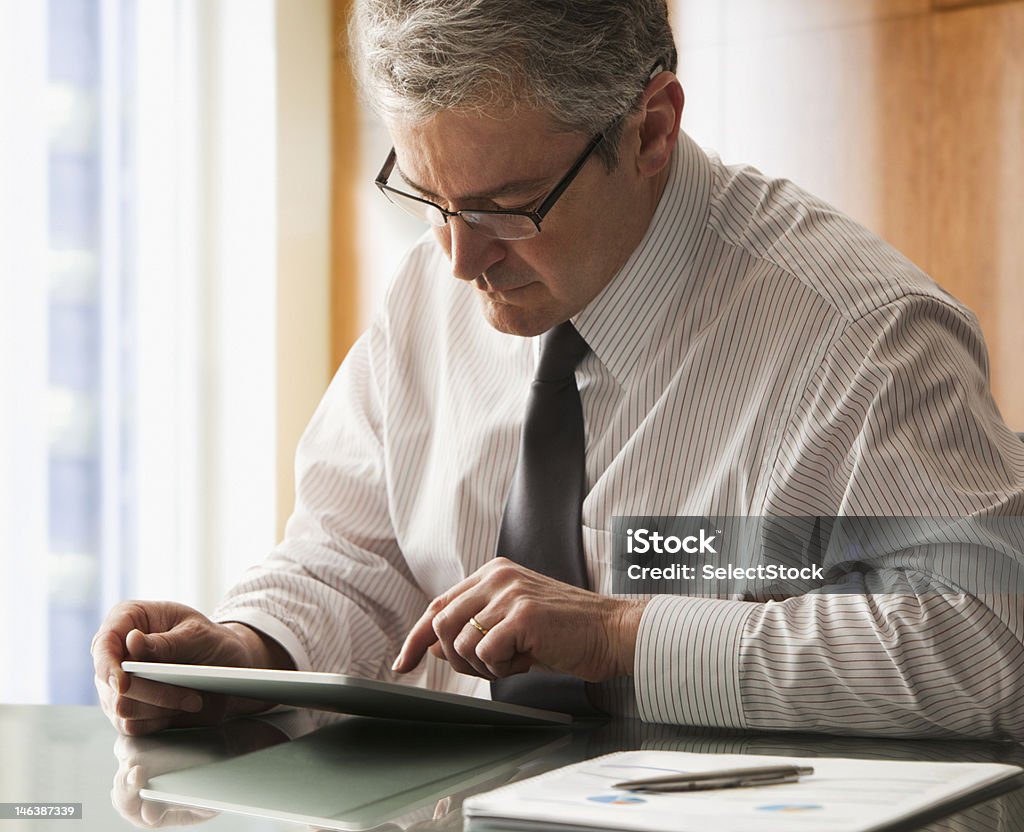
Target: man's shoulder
(849, 268)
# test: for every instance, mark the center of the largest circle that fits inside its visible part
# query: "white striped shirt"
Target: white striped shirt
(758, 354)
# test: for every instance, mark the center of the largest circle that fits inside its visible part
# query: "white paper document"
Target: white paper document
(842, 795)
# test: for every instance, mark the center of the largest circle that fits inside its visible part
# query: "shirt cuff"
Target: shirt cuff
(687, 661)
(270, 626)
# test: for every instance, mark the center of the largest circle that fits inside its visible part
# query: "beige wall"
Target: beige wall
(303, 218)
(908, 114)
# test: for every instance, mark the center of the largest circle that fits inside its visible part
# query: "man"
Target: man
(719, 343)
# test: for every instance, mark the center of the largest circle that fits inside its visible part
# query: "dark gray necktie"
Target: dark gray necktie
(541, 527)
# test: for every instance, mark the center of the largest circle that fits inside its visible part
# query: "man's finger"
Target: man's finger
(108, 645)
(464, 623)
(499, 651)
(442, 621)
(420, 637)
(165, 697)
(422, 634)
(181, 644)
(128, 708)
(455, 659)
(108, 652)
(456, 639)
(465, 645)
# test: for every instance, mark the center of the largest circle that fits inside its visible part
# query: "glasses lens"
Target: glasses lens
(500, 226)
(421, 210)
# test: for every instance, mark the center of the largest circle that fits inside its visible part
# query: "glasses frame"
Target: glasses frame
(536, 215)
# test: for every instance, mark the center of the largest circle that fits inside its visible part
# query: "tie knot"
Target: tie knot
(561, 350)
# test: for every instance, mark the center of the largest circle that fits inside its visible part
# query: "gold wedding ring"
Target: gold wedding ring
(478, 625)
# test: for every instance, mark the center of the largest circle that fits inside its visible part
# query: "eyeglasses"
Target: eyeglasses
(499, 224)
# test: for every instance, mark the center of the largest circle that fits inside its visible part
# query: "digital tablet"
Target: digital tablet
(344, 694)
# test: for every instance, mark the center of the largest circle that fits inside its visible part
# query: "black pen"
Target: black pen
(722, 779)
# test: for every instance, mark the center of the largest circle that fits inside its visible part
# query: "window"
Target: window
(137, 317)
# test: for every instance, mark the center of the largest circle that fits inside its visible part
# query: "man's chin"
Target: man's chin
(524, 321)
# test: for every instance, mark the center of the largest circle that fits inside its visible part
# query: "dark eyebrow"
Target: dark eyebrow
(510, 188)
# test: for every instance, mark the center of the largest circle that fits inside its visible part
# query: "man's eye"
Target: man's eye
(519, 205)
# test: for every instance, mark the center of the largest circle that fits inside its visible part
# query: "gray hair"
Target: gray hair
(585, 62)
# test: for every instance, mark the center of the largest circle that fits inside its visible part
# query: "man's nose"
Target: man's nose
(471, 252)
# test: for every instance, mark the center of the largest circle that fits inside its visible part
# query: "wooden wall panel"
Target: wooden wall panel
(815, 107)
(345, 143)
(757, 19)
(946, 5)
(977, 210)
(908, 116)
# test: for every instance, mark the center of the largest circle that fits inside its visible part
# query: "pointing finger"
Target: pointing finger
(420, 637)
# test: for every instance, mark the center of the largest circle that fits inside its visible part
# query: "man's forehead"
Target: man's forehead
(504, 188)
(469, 156)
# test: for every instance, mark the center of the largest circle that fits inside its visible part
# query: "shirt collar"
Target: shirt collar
(624, 319)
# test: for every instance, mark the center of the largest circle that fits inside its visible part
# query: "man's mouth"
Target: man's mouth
(497, 289)
(506, 290)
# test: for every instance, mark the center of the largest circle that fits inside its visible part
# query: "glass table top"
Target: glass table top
(309, 770)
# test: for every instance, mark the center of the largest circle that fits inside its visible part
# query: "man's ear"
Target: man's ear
(661, 109)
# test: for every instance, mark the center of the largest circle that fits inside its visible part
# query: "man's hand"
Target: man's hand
(525, 619)
(162, 631)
